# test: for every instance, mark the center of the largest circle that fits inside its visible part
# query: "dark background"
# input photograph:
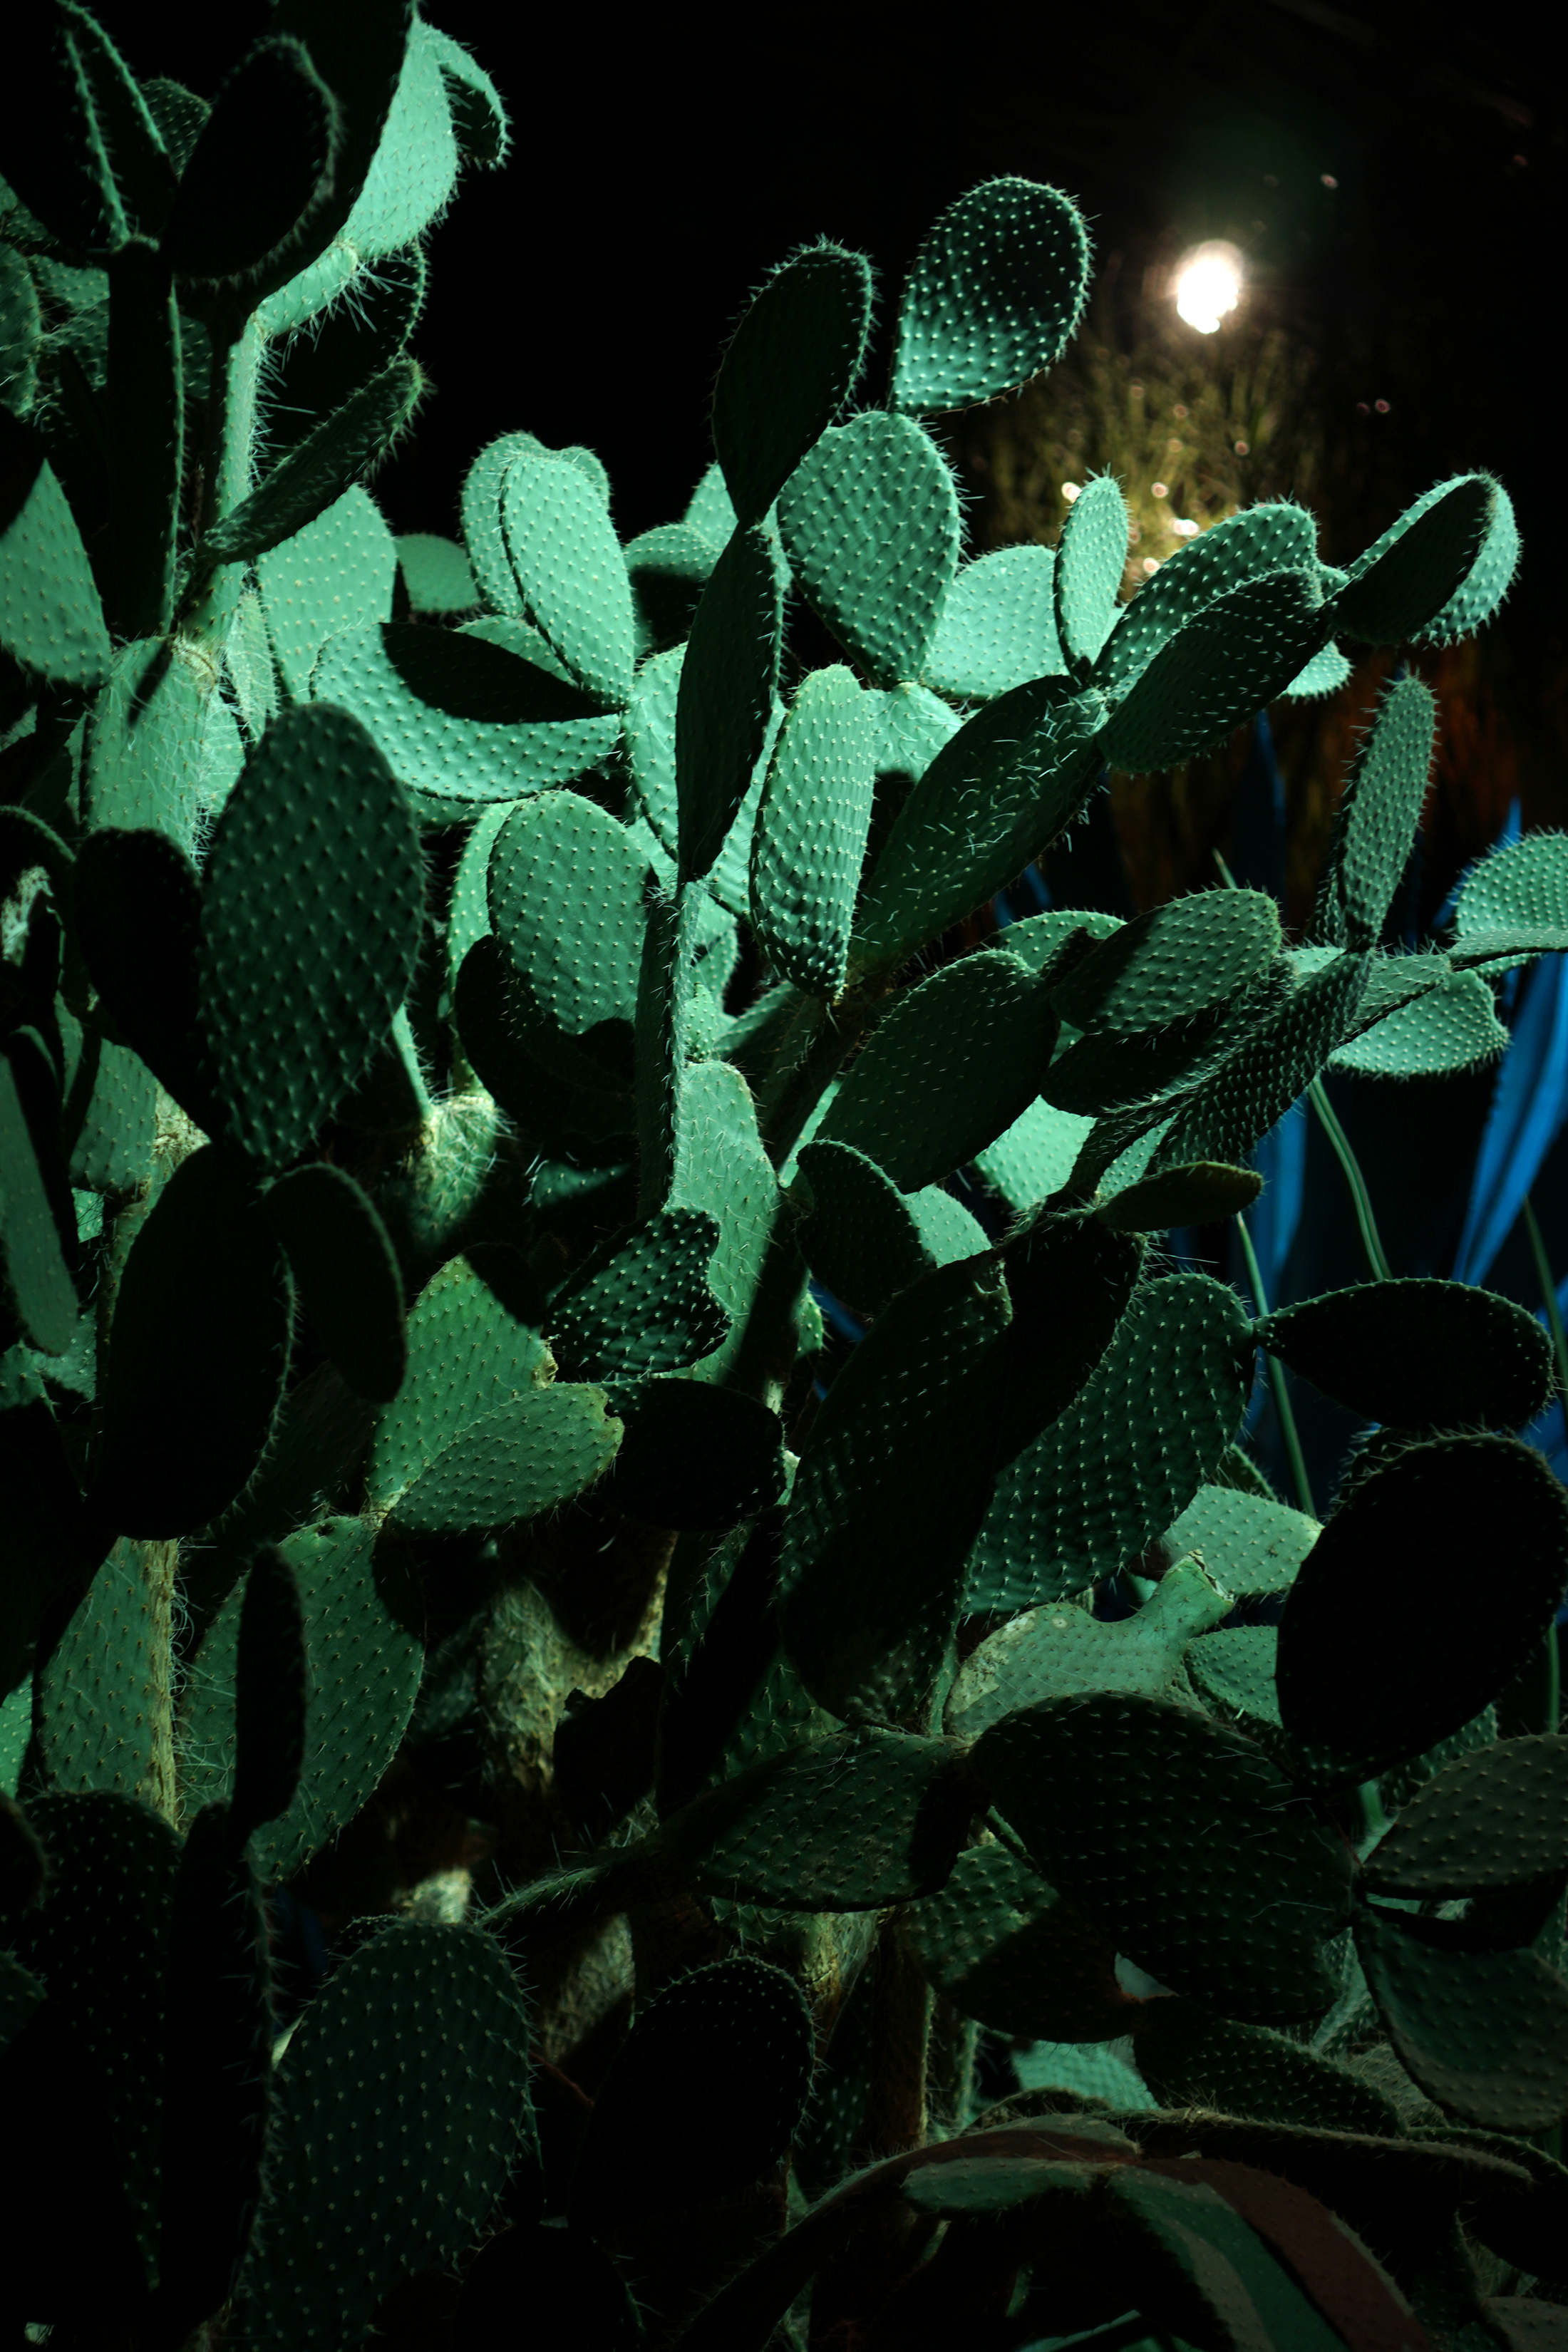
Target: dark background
(662, 165)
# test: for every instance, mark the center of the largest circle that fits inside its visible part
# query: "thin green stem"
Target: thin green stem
(1282, 1406)
(1549, 1292)
(1370, 1240)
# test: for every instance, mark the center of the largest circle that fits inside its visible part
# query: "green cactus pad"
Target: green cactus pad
(1190, 2059)
(217, 2059)
(696, 1455)
(461, 718)
(261, 165)
(270, 1695)
(948, 1069)
(1203, 1193)
(364, 2186)
(147, 415)
(303, 969)
(1007, 1949)
(722, 1168)
(865, 1239)
(650, 747)
(1323, 676)
(891, 1486)
(102, 1699)
(1248, 546)
(1059, 1651)
(871, 527)
(1232, 657)
(565, 891)
(1174, 961)
(1036, 1156)
(346, 1268)
(336, 573)
(101, 1945)
(998, 626)
(1107, 1071)
(912, 725)
(809, 840)
(1069, 1280)
(668, 567)
(1440, 1504)
(1522, 887)
(317, 469)
(1488, 581)
(525, 1457)
(1106, 1793)
(847, 1824)
(481, 506)
(1012, 778)
(415, 167)
(1484, 2034)
(728, 682)
(248, 664)
(1421, 1354)
(51, 622)
(792, 364)
(36, 1282)
(435, 573)
(569, 570)
(1403, 584)
(1375, 820)
(163, 747)
(1489, 1819)
(467, 1356)
(1235, 1670)
(1129, 1451)
(641, 1303)
(992, 297)
(1256, 1084)
(738, 2020)
(1090, 559)
(21, 332)
(205, 1245)
(363, 1668)
(730, 1699)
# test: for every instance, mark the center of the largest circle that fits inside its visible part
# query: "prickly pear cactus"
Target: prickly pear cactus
(530, 1762)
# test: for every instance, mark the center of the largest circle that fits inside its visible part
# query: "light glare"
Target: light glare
(1208, 284)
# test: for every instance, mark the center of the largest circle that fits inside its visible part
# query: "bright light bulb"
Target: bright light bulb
(1208, 284)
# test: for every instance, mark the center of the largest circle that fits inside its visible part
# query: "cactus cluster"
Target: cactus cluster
(465, 1008)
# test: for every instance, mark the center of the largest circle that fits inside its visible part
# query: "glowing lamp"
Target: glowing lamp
(1208, 284)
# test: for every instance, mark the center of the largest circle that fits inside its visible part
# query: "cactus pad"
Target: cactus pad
(792, 364)
(870, 524)
(737, 2019)
(1439, 1503)
(1101, 1791)
(993, 296)
(1126, 1456)
(1420, 1354)
(809, 840)
(398, 2117)
(949, 1068)
(206, 1244)
(301, 969)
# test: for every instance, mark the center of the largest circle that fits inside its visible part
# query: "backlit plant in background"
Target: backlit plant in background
(413, 1227)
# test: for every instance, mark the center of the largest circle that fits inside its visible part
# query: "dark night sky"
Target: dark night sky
(662, 165)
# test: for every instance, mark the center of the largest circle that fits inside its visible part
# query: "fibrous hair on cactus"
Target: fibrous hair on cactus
(629, 1548)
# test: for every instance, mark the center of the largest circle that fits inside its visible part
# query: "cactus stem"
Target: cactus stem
(1282, 1405)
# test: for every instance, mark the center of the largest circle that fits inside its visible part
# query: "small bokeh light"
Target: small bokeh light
(1208, 284)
